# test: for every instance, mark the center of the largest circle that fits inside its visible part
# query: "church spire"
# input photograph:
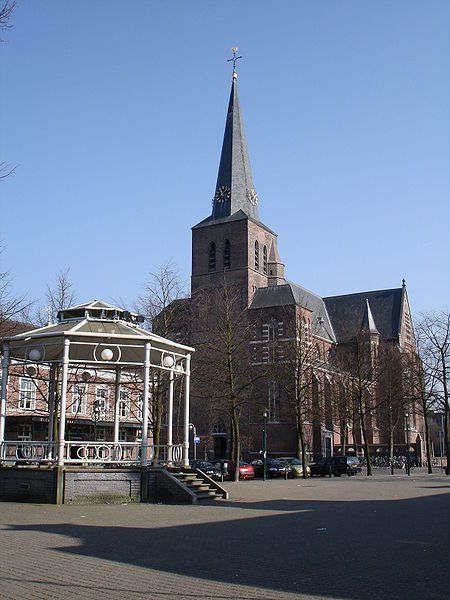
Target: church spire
(368, 322)
(234, 188)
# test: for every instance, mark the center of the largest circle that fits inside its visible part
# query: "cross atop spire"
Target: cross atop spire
(234, 59)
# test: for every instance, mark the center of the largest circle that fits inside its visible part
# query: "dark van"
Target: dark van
(336, 465)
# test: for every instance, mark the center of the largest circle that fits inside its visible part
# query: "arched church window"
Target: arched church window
(212, 257)
(227, 255)
(219, 428)
(265, 260)
(257, 255)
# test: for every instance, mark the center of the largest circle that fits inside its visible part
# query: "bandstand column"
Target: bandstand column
(63, 404)
(187, 381)
(144, 442)
(51, 407)
(117, 406)
(5, 365)
(170, 418)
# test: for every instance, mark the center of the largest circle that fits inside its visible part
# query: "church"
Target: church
(234, 245)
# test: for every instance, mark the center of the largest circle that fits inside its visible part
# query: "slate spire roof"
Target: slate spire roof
(234, 188)
(368, 322)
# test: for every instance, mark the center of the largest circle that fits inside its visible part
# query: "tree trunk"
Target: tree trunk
(344, 437)
(391, 440)
(364, 434)
(237, 449)
(301, 446)
(447, 438)
(428, 445)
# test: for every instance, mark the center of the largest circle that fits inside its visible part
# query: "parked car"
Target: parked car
(336, 465)
(274, 468)
(245, 470)
(296, 467)
(208, 468)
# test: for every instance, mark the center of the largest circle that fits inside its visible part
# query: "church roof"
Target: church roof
(339, 318)
(291, 293)
(274, 255)
(347, 313)
(237, 216)
(234, 188)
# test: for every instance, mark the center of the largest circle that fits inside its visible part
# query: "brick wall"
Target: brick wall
(102, 486)
(27, 485)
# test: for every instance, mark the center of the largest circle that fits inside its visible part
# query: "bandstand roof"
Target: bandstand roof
(91, 328)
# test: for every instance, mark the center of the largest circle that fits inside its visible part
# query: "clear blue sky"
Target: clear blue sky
(114, 113)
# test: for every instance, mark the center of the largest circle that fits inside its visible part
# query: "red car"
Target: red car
(245, 470)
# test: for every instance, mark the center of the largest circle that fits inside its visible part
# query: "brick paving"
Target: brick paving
(339, 538)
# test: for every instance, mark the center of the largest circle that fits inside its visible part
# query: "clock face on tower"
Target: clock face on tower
(223, 194)
(252, 196)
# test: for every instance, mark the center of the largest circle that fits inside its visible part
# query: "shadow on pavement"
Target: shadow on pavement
(354, 550)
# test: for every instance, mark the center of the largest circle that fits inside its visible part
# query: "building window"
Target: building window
(272, 330)
(265, 260)
(212, 257)
(124, 404)
(100, 434)
(78, 400)
(274, 397)
(27, 394)
(100, 404)
(123, 435)
(24, 432)
(257, 255)
(227, 255)
(140, 404)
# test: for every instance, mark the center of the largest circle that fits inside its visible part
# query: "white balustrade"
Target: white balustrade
(28, 452)
(80, 452)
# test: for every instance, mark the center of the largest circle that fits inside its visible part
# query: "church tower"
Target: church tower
(232, 241)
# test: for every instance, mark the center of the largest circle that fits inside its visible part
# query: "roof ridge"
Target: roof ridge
(363, 293)
(289, 282)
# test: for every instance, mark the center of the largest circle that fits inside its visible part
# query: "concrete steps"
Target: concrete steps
(199, 484)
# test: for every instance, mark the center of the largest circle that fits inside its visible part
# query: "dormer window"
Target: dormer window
(212, 257)
(227, 255)
(257, 255)
(265, 260)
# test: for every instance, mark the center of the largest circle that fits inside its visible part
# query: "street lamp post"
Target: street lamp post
(408, 465)
(194, 435)
(265, 414)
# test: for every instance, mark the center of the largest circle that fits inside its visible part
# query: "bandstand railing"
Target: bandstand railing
(25, 451)
(86, 453)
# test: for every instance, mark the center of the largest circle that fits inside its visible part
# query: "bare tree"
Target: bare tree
(360, 370)
(58, 296)
(6, 10)
(161, 303)
(158, 302)
(392, 392)
(421, 389)
(295, 366)
(433, 335)
(6, 170)
(13, 308)
(222, 357)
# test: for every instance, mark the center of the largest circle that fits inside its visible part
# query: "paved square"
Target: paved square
(382, 537)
